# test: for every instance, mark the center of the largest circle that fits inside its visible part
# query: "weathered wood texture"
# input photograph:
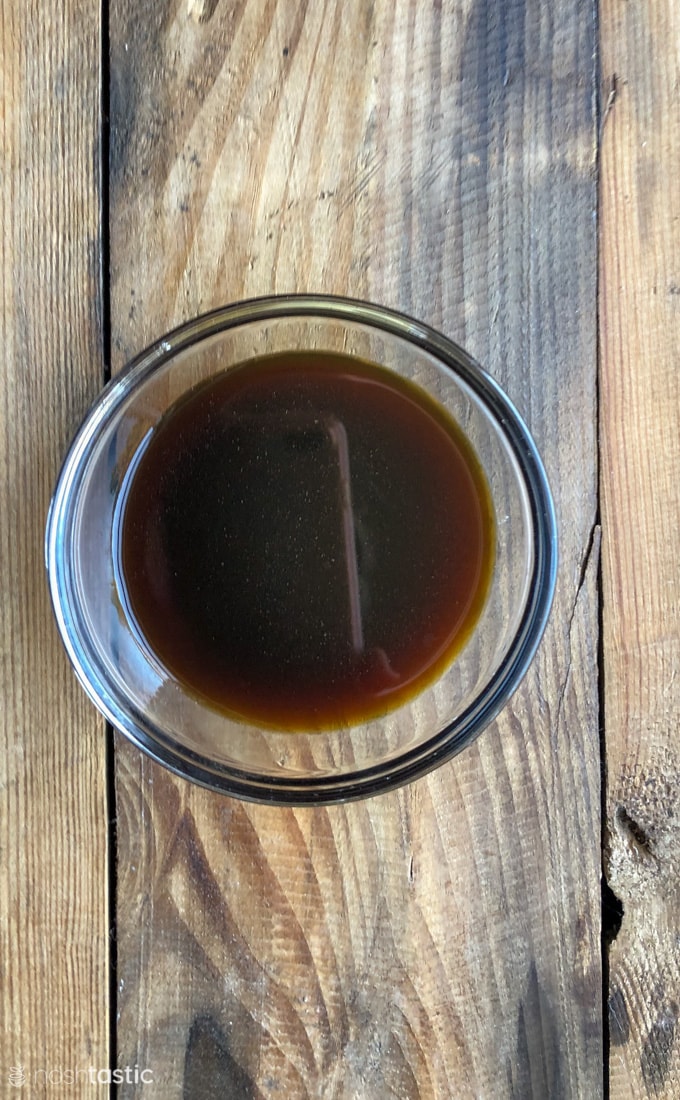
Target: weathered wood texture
(442, 941)
(640, 387)
(53, 832)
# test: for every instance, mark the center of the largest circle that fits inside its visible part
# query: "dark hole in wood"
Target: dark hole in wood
(639, 836)
(612, 914)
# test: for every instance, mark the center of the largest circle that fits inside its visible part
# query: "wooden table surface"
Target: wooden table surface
(507, 927)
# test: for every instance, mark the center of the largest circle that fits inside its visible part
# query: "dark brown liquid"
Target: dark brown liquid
(306, 541)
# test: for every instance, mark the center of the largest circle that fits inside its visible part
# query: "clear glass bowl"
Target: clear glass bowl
(153, 709)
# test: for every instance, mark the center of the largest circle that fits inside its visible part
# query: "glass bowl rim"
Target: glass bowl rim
(443, 744)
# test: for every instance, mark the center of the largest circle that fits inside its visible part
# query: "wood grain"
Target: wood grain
(53, 828)
(442, 941)
(640, 337)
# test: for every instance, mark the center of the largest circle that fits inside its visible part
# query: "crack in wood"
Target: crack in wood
(611, 100)
(634, 832)
(590, 553)
(619, 1020)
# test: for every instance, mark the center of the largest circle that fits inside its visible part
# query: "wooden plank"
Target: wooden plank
(53, 819)
(443, 940)
(640, 335)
